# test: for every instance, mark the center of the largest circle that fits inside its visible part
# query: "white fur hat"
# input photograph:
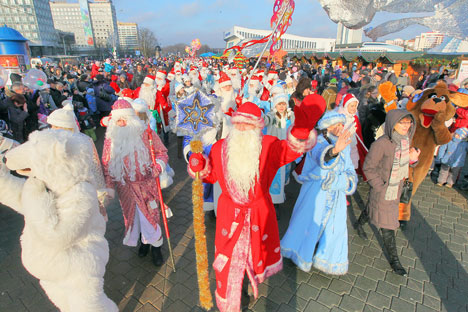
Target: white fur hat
(280, 98)
(178, 87)
(140, 105)
(149, 79)
(64, 118)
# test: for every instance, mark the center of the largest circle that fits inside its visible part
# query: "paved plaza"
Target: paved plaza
(433, 248)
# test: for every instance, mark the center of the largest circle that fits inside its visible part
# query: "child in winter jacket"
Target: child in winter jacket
(277, 122)
(452, 158)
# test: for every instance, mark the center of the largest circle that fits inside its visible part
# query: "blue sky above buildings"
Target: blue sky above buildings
(180, 21)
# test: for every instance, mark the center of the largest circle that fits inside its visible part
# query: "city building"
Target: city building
(291, 43)
(33, 19)
(128, 36)
(104, 20)
(428, 40)
(347, 36)
(93, 23)
(67, 18)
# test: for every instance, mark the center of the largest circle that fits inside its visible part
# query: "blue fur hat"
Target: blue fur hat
(330, 118)
(462, 133)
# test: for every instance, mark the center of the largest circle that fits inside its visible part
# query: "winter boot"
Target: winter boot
(157, 256)
(143, 250)
(363, 219)
(389, 241)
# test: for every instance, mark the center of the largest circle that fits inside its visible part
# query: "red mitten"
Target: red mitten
(197, 162)
(307, 114)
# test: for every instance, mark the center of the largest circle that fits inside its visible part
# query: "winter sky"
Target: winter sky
(180, 21)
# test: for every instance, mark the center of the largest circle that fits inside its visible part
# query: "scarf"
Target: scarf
(400, 165)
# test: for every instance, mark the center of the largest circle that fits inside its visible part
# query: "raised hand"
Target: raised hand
(344, 139)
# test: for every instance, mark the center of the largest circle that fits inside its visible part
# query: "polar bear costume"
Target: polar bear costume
(63, 242)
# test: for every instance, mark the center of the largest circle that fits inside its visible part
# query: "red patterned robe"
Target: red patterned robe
(140, 192)
(247, 237)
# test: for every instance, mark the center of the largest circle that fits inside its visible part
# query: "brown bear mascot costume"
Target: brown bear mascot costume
(430, 110)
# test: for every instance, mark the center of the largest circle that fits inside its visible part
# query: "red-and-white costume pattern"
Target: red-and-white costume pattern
(247, 237)
(140, 192)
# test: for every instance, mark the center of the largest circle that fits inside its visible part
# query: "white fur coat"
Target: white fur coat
(63, 242)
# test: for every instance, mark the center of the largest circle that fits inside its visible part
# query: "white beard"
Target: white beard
(125, 142)
(236, 82)
(253, 92)
(160, 84)
(149, 95)
(178, 78)
(289, 91)
(243, 159)
(229, 100)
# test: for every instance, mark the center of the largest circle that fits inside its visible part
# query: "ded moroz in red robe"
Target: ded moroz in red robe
(247, 237)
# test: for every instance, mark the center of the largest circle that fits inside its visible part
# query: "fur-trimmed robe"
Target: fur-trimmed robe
(430, 111)
(143, 191)
(247, 237)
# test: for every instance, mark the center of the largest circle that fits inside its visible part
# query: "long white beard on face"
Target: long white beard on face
(149, 95)
(253, 92)
(236, 82)
(160, 84)
(125, 142)
(229, 100)
(243, 159)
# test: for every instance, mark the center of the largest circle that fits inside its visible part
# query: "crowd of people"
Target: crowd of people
(328, 127)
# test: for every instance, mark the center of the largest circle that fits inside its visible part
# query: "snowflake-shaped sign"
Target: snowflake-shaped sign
(195, 114)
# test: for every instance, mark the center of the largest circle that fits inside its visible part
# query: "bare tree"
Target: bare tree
(174, 49)
(147, 42)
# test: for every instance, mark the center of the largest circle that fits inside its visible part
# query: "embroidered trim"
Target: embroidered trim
(233, 229)
(332, 163)
(352, 182)
(270, 270)
(220, 262)
(330, 268)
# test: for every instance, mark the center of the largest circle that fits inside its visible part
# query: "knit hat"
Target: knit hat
(333, 81)
(64, 117)
(248, 113)
(330, 118)
(149, 79)
(224, 80)
(462, 133)
(121, 108)
(282, 97)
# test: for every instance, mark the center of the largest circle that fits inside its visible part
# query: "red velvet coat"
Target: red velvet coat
(247, 236)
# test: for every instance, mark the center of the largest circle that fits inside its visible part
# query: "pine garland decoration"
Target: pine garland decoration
(201, 252)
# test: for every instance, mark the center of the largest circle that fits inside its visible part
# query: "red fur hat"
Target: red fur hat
(248, 113)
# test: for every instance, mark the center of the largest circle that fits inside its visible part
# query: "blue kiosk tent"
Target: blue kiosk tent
(14, 50)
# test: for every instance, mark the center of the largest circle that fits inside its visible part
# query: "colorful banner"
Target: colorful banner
(88, 30)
